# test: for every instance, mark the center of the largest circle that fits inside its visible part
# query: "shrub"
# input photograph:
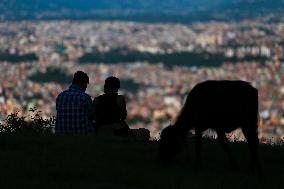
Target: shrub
(32, 124)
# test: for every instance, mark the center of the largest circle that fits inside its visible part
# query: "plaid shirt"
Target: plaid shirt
(74, 112)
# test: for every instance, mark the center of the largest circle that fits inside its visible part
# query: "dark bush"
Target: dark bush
(16, 58)
(203, 59)
(52, 74)
(35, 124)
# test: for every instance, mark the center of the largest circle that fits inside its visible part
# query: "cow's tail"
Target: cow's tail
(183, 119)
(256, 105)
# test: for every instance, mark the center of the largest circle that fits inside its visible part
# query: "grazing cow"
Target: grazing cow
(221, 105)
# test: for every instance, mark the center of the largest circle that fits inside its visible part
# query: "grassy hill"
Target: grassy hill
(89, 162)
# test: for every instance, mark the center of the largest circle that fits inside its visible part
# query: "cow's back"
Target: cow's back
(224, 104)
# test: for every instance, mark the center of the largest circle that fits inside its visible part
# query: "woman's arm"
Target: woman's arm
(95, 109)
(122, 105)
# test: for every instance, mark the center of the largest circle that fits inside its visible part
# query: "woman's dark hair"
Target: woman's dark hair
(112, 84)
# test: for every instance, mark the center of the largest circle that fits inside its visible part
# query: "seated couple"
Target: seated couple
(78, 114)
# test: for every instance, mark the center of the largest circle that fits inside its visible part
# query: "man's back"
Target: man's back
(74, 110)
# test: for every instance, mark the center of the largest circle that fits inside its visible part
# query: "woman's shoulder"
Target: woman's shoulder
(98, 98)
(120, 98)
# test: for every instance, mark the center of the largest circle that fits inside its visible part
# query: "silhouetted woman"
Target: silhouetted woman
(110, 110)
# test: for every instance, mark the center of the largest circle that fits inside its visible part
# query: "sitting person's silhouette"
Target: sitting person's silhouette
(74, 108)
(110, 110)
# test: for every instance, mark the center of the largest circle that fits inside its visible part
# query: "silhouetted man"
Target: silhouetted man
(74, 107)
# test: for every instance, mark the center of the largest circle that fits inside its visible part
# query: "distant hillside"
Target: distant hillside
(139, 10)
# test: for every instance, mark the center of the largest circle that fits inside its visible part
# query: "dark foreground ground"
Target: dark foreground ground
(88, 162)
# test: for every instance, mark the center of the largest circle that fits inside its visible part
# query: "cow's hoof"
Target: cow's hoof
(235, 168)
(197, 166)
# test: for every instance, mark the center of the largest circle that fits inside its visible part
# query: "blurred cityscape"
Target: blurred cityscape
(157, 63)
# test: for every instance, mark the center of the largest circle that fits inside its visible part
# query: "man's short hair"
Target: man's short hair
(80, 77)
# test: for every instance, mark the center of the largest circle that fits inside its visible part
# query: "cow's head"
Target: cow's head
(171, 142)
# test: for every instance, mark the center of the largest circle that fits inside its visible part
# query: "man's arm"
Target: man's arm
(90, 108)
(57, 101)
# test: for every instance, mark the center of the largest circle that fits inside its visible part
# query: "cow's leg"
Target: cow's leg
(223, 141)
(252, 140)
(198, 147)
(185, 147)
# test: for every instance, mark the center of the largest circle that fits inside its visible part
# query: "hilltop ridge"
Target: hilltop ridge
(183, 11)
